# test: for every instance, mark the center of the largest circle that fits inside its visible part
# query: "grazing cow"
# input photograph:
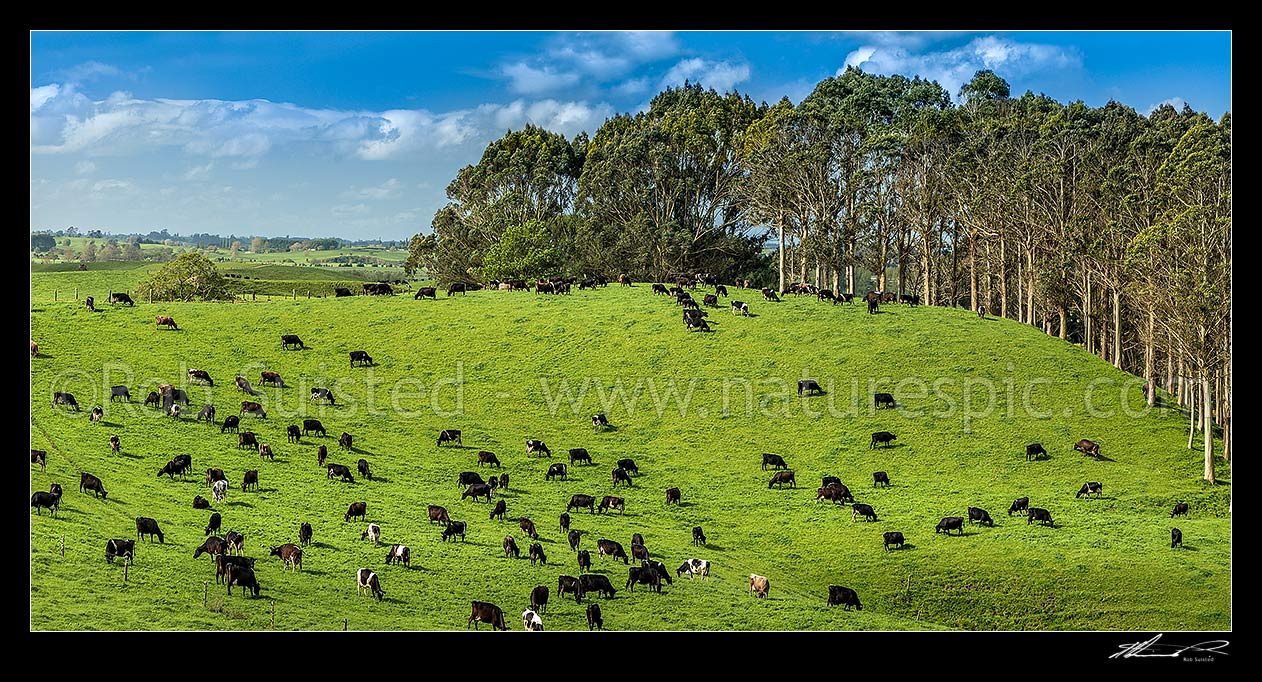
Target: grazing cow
(980, 516)
(235, 540)
(247, 439)
(342, 471)
(213, 475)
(848, 298)
(759, 585)
(599, 421)
(251, 480)
(207, 413)
(272, 378)
(120, 297)
(536, 554)
(366, 579)
(624, 280)
(950, 523)
(636, 539)
(243, 577)
(304, 533)
(539, 598)
(639, 552)
(672, 495)
(216, 521)
(574, 537)
(740, 307)
(500, 510)
(248, 407)
(1176, 538)
(201, 376)
(291, 554)
(528, 527)
(594, 582)
(510, 547)
(1019, 504)
(477, 490)
(364, 471)
(292, 433)
(67, 399)
(611, 502)
(357, 510)
(426, 292)
(219, 490)
(836, 494)
(710, 300)
(453, 529)
(644, 576)
(486, 612)
(120, 392)
(620, 474)
(450, 436)
(213, 545)
(1088, 447)
(224, 561)
(566, 583)
(310, 425)
(584, 561)
(346, 441)
(554, 470)
(893, 538)
(456, 287)
(769, 295)
(373, 532)
(360, 356)
(594, 619)
(322, 394)
(843, 596)
(864, 510)
(885, 399)
(533, 446)
(565, 521)
(230, 423)
(840, 492)
(883, 438)
(90, 304)
(439, 514)
(629, 466)
(117, 548)
(147, 526)
(826, 294)
(287, 340)
(611, 548)
(200, 502)
(322, 454)
(243, 385)
(771, 460)
(165, 321)
(1034, 451)
(488, 458)
(265, 452)
(660, 568)
(1041, 515)
(579, 454)
(692, 567)
(97, 415)
(115, 443)
(809, 386)
(660, 289)
(1180, 509)
(174, 412)
(981, 311)
(40, 457)
(34, 349)
(698, 536)
(580, 501)
(468, 478)
(782, 477)
(89, 482)
(50, 500)
(153, 399)
(873, 299)
(1089, 488)
(696, 323)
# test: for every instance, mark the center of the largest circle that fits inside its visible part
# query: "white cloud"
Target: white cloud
(409, 216)
(635, 86)
(527, 80)
(343, 210)
(1177, 102)
(721, 76)
(84, 167)
(199, 172)
(387, 190)
(648, 45)
(41, 95)
(89, 70)
(955, 67)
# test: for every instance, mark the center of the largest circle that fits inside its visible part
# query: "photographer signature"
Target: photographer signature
(1151, 649)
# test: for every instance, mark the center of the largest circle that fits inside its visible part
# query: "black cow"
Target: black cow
(503, 480)
(880, 477)
(214, 474)
(698, 536)
(424, 292)
(740, 307)
(364, 471)
(776, 461)
(200, 375)
(580, 501)
(883, 438)
(639, 552)
(119, 392)
(1180, 509)
(565, 521)
(864, 510)
(292, 433)
(782, 477)
(528, 527)
(672, 495)
(477, 490)
(304, 533)
(242, 576)
(660, 568)
(584, 561)
(830, 480)
(1019, 504)
(322, 454)
(231, 422)
(594, 619)
(67, 399)
(510, 547)
(120, 297)
(611, 502)
(1034, 451)
(1088, 447)
(838, 595)
(89, 482)
(215, 522)
(40, 457)
(449, 436)
(566, 583)
(536, 554)
(247, 439)
(357, 510)
(611, 548)
(153, 399)
(50, 500)
(287, 340)
(873, 299)
(488, 458)
(1176, 538)
(456, 287)
(809, 386)
(644, 576)
(710, 300)
(950, 523)
(224, 561)
(248, 407)
(341, 292)
(660, 289)
(893, 538)
(453, 529)
(1041, 515)
(554, 470)
(579, 454)
(120, 548)
(96, 415)
(360, 356)
(310, 425)
(468, 478)
(1089, 488)
(620, 474)
(342, 471)
(885, 399)
(500, 510)
(213, 545)
(539, 598)
(629, 466)
(980, 516)
(533, 446)
(200, 502)
(574, 537)
(322, 394)
(599, 421)
(826, 294)
(594, 582)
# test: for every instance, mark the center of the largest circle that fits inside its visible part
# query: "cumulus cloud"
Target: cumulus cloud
(1177, 102)
(721, 76)
(524, 79)
(387, 190)
(955, 67)
(84, 167)
(343, 210)
(88, 71)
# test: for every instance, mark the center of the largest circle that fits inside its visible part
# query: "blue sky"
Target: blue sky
(357, 134)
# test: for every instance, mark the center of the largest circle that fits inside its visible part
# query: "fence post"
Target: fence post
(295, 294)
(76, 293)
(54, 294)
(63, 545)
(273, 614)
(126, 565)
(205, 591)
(345, 623)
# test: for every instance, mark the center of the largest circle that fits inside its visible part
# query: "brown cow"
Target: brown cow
(672, 495)
(486, 612)
(164, 320)
(758, 585)
(291, 554)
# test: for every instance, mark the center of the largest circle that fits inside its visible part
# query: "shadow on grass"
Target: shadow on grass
(110, 424)
(238, 503)
(713, 547)
(128, 455)
(1190, 548)
(320, 545)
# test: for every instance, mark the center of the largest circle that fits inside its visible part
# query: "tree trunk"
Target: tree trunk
(1169, 373)
(955, 252)
(1104, 333)
(1064, 316)
(1182, 388)
(1191, 422)
(1150, 361)
(1209, 429)
(924, 263)
(1086, 313)
(1003, 278)
(780, 224)
(1117, 328)
(972, 271)
(1020, 288)
(986, 281)
(1033, 274)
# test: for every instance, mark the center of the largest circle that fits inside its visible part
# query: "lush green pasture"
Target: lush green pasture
(492, 364)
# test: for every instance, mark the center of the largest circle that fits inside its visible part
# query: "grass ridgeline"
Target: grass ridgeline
(1106, 565)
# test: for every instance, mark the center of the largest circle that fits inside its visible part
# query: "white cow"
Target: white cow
(366, 579)
(693, 567)
(220, 490)
(399, 553)
(373, 533)
(531, 621)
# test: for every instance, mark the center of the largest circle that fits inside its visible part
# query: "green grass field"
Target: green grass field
(492, 364)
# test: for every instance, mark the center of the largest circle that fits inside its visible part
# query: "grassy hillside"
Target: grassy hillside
(1106, 565)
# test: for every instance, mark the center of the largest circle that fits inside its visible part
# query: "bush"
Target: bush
(190, 277)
